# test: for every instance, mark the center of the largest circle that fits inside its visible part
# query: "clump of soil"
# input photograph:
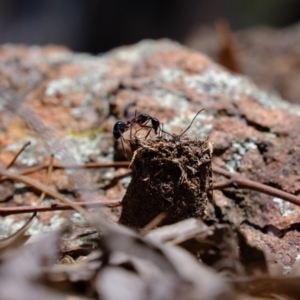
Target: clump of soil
(169, 176)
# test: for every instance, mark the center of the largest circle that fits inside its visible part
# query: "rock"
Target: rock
(269, 56)
(79, 97)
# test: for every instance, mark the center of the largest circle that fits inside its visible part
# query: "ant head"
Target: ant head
(118, 129)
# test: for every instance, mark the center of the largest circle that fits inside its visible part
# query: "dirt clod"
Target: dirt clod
(170, 177)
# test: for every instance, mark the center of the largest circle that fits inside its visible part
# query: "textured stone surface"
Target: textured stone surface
(269, 56)
(81, 96)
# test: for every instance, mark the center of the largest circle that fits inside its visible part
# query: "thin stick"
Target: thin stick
(223, 184)
(154, 222)
(17, 238)
(236, 179)
(119, 164)
(16, 156)
(41, 187)
(19, 234)
(6, 211)
(50, 169)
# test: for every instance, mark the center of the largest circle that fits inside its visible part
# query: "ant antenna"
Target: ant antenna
(178, 137)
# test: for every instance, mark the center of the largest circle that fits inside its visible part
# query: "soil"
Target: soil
(169, 176)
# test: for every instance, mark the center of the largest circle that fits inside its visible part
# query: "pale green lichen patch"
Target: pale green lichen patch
(285, 207)
(9, 225)
(241, 148)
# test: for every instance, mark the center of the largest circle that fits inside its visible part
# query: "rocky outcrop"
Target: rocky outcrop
(78, 97)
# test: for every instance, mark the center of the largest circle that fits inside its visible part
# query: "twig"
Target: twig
(237, 180)
(223, 184)
(120, 164)
(154, 222)
(50, 169)
(6, 211)
(18, 237)
(41, 187)
(16, 156)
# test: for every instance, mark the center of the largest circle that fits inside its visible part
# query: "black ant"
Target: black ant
(141, 120)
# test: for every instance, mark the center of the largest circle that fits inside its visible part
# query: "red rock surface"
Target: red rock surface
(81, 96)
(269, 56)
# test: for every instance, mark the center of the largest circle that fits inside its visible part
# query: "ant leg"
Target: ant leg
(164, 132)
(161, 128)
(124, 151)
(138, 130)
(141, 127)
(148, 133)
(132, 123)
(131, 131)
(145, 126)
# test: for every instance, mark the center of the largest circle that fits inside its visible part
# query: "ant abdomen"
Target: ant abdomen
(155, 124)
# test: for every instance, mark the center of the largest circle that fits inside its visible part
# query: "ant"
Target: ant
(141, 120)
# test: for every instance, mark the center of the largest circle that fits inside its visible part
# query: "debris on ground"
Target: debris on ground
(187, 242)
(169, 177)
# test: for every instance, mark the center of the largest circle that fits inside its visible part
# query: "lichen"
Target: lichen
(9, 225)
(285, 207)
(241, 148)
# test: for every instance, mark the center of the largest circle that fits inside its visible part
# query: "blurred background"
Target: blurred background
(96, 25)
(257, 38)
